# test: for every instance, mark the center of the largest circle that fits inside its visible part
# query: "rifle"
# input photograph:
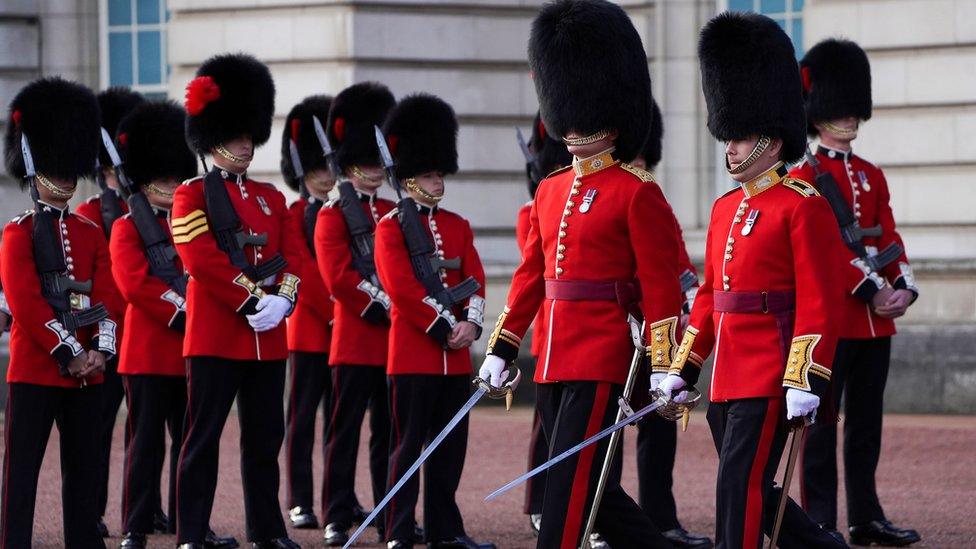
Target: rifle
(850, 230)
(359, 225)
(159, 250)
(57, 289)
(420, 247)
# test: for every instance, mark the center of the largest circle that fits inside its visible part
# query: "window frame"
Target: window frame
(134, 28)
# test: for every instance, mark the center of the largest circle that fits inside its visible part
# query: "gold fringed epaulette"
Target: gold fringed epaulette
(641, 174)
(800, 186)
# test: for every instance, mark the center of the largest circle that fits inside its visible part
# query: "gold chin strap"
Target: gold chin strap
(757, 151)
(54, 189)
(586, 140)
(412, 185)
(839, 131)
(219, 149)
(357, 172)
(156, 190)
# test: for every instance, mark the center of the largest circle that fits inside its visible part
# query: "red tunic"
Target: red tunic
(38, 343)
(355, 341)
(310, 326)
(155, 315)
(219, 292)
(784, 250)
(91, 209)
(599, 221)
(412, 349)
(521, 236)
(865, 189)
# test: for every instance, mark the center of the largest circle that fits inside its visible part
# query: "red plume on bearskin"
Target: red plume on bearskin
(300, 128)
(200, 92)
(339, 129)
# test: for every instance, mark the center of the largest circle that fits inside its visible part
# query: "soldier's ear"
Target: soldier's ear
(775, 148)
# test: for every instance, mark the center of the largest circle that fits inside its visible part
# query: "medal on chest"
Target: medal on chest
(864, 180)
(587, 201)
(264, 206)
(750, 222)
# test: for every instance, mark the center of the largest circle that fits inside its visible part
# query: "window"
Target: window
(133, 45)
(788, 13)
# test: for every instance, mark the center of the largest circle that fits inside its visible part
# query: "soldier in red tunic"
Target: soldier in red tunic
(879, 287)
(305, 170)
(595, 228)
(104, 209)
(766, 307)
(429, 363)
(240, 250)
(657, 437)
(344, 251)
(549, 155)
(151, 142)
(58, 285)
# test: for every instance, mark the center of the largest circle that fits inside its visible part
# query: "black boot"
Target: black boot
(336, 534)
(303, 517)
(277, 543)
(102, 528)
(682, 539)
(882, 532)
(213, 541)
(535, 521)
(161, 523)
(399, 544)
(460, 542)
(133, 541)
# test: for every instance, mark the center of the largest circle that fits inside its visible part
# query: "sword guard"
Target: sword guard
(625, 407)
(506, 391)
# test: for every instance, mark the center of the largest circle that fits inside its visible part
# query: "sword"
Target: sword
(660, 399)
(796, 436)
(484, 388)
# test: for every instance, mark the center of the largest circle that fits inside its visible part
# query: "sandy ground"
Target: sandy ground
(927, 480)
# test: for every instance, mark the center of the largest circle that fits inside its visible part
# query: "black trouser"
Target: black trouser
(112, 395)
(421, 407)
(657, 443)
(311, 385)
(860, 371)
(749, 435)
(213, 383)
(582, 408)
(31, 411)
(535, 488)
(155, 402)
(354, 390)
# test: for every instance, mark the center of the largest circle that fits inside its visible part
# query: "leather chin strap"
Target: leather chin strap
(757, 151)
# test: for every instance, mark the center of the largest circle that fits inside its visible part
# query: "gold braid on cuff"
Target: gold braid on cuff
(588, 139)
(412, 185)
(757, 151)
(222, 151)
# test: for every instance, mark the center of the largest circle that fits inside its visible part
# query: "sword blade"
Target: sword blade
(575, 449)
(795, 434)
(420, 461)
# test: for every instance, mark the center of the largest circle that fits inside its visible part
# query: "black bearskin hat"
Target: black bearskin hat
(300, 127)
(231, 96)
(836, 81)
(653, 146)
(550, 154)
(151, 142)
(421, 132)
(60, 119)
(114, 103)
(352, 116)
(590, 72)
(751, 81)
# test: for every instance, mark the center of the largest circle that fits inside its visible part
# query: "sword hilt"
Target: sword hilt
(506, 391)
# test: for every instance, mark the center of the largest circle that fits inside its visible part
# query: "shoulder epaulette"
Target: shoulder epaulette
(730, 191)
(193, 180)
(556, 172)
(390, 214)
(641, 174)
(92, 198)
(85, 219)
(800, 186)
(331, 203)
(20, 218)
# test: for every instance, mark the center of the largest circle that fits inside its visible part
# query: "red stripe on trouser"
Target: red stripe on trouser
(581, 480)
(752, 529)
(291, 427)
(6, 465)
(188, 430)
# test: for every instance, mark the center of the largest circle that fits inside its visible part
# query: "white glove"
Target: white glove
(657, 378)
(271, 311)
(801, 404)
(672, 383)
(493, 370)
